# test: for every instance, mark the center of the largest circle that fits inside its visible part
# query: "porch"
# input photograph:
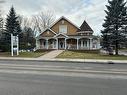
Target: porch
(66, 43)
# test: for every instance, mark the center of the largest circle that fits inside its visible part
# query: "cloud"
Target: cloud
(76, 10)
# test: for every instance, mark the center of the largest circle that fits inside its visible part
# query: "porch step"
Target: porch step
(51, 54)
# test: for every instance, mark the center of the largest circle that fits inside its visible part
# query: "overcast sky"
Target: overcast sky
(76, 10)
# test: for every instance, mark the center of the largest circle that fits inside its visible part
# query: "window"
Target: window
(62, 21)
(47, 32)
(63, 28)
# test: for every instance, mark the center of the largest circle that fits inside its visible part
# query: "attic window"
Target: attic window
(62, 21)
(47, 32)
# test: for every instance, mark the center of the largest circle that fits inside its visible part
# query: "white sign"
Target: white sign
(14, 45)
(15, 40)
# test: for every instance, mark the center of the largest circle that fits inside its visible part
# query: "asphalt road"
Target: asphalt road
(33, 78)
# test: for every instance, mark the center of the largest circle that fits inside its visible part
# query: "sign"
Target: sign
(14, 45)
(15, 40)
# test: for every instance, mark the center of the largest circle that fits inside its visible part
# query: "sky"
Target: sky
(75, 10)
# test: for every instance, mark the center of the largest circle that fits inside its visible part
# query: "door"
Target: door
(61, 44)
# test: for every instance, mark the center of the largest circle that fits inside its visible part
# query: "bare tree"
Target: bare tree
(43, 20)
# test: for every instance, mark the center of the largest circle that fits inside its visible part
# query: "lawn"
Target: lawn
(24, 54)
(89, 55)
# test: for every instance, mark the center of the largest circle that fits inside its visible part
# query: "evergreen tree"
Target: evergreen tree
(27, 40)
(114, 32)
(12, 27)
(1, 24)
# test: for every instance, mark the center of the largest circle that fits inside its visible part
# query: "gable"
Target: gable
(47, 33)
(61, 36)
(71, 28)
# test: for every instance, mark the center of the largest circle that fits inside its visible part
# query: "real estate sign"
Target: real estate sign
(14, 45)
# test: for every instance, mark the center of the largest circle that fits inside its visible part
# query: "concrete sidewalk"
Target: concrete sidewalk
(64, 60)
(51, 54)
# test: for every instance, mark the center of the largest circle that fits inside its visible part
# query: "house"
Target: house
(64, 34)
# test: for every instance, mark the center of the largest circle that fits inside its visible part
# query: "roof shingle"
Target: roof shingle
(85, 27)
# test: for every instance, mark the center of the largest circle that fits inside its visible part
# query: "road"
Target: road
(59, 78)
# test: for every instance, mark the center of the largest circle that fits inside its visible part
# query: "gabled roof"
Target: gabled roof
(48, 30)
(85, 27)
(66, 20)
(60, 34)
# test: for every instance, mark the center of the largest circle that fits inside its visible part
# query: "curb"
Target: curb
(67, 60)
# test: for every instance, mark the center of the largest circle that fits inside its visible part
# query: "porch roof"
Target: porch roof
(61, 35)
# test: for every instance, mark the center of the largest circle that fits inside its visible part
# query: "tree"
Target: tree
(27, 39)
(43, 20)
(1, 31)
(12, 27)
(12, 23)
(1, 24)
(114, 33)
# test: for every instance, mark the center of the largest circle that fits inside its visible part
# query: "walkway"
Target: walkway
(51, 54)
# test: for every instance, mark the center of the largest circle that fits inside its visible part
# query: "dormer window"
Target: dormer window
(63, 29)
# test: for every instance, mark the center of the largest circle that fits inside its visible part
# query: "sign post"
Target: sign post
(14, 45)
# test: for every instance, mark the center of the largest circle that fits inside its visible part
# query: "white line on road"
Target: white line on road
(69, 74)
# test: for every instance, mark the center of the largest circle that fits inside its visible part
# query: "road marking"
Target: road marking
(69, 74)
(60, 69)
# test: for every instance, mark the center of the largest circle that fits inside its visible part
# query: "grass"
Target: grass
(124, 49)
(89, 55)
(24, 54)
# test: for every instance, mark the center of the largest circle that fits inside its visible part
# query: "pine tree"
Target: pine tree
(114, 33)
(1, 24)
(12, 27)
(12, 24)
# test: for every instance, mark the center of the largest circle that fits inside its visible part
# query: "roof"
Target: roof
(48, 30)
(66, 20)
(85, 27)
(60, 34)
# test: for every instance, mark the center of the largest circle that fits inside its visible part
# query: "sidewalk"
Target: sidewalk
(64, 60)
(51, 54)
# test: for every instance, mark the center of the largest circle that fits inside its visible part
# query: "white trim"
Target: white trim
(65, 19)
(47, 44)
(65, 43)
(60, 34)
(77, 43)
(49, 30)
(56, 43)
(85, 32)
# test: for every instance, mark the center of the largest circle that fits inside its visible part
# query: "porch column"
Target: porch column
(65, 43)
(90, 43)
(77, 43)
(57, 43)
(47, 45)
(81, 43)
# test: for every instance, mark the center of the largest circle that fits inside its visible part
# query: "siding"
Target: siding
(71, 29)
(46, 34)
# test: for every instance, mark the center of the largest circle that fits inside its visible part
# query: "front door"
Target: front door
(61, 43)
